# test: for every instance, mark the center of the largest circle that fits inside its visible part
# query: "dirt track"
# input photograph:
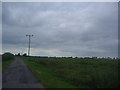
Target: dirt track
(19, 76)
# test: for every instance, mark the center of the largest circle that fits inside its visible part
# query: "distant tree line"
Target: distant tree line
(7, 56)
(21, 55)
(114, 58)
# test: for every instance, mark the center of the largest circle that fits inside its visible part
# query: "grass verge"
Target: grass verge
(6, 64)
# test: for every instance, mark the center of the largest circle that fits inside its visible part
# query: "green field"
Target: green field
(74, 72)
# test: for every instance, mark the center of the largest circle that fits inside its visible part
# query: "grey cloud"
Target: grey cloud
(62, 28)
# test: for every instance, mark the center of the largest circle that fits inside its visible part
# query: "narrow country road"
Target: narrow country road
(19, 76)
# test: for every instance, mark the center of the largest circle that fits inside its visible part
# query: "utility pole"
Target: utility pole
(29, 44)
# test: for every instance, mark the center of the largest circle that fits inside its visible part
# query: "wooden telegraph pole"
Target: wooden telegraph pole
(29, 36)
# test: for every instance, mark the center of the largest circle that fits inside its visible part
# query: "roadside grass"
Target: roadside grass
(6, 64)
(46, 76)
(0, 66)
(6, 59)
(0, 63)
(93, 73)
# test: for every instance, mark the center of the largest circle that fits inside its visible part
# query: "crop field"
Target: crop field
(78, 72)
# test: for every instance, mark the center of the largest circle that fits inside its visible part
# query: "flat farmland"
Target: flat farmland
(76, 72)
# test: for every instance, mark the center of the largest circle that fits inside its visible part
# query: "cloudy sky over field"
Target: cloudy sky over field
(61, 29)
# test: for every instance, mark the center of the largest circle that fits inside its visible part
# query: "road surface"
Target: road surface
(19, 76)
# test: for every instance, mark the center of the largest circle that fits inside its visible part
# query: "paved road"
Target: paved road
(19, 76)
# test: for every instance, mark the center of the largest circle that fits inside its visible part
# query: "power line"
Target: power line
(29, 43)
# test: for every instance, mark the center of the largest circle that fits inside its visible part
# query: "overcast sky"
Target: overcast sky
(0, 27)
(61, 29)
